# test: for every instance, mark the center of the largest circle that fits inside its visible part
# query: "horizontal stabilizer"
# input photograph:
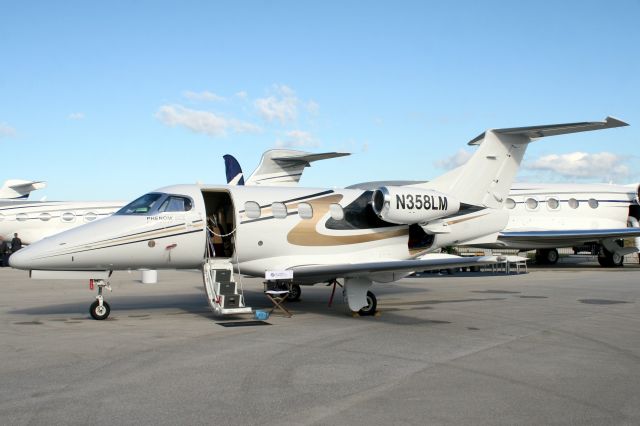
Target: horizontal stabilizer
(535, 132)
(16, 188)
(284, 167)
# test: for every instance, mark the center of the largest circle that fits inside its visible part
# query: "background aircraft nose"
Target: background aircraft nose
(21, 259)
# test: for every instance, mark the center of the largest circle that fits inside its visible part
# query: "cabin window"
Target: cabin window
(279, 210)
(21, 217)
(45, 217)
(142, 205)
(553, 203)
(252, 209)
(305, 211)
(510, 203)
(175, 204)
(336, 212)
(593, 203)
(90, 216)
(68, 217)
(532, 204)
(573, 203)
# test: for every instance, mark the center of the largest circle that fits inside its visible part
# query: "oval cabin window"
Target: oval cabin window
(90, 216)
(573, 203)
(593, 203)
(252, 209)
(305, 211)
(21, 217)
(45, 217)
(553, 203)
(279, 210)
(68, 217)
(510, 203)
(532, 204)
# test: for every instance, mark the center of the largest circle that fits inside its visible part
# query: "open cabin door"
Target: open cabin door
(224, 295)
(221, 224)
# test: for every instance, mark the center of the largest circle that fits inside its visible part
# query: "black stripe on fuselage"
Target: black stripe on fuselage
(124, 244)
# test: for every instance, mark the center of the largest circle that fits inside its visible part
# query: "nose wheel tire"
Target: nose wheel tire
(372, 304)
(294, 293)
(100, 312)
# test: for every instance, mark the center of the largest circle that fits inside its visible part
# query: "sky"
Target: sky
(109, 100)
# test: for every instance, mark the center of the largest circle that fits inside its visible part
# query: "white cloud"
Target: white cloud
(76, 116)
(242, 94)
(313, 107)
(582, 165)
(456, 160)
(202, 96)
(281, 105)
(6, 131)
(202, 121)
(297, 139)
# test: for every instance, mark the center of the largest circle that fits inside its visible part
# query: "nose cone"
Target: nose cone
(21, 259)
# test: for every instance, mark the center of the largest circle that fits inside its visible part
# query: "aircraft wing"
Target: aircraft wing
(561, 237)
(319, 273)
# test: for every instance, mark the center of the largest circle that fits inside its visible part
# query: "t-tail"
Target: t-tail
(486, 178)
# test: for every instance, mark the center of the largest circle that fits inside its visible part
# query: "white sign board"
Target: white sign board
(278, 275)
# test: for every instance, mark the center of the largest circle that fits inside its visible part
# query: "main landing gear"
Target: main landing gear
(100, 309)
(372, 304)
(610, 259)
(547, 256)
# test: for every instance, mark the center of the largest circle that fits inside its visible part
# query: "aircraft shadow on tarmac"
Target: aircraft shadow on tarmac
(312, 302)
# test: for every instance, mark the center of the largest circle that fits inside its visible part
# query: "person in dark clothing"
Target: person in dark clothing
(16, 243)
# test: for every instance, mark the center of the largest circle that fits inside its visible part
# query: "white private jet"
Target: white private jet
(305, 234)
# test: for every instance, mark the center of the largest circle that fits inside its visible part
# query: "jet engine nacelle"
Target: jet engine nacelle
(406, 206)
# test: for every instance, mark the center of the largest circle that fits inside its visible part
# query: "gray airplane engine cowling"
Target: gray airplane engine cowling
(406, 206)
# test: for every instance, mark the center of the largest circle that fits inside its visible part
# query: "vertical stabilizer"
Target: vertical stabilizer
(486, 178)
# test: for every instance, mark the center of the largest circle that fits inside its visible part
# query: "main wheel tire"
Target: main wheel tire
(541, 256)
(617, 260)
(372, 304)
(100, 312)
(605, 262)
(294, 293)
(552, 257)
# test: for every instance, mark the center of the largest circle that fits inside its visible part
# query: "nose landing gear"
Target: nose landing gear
(100, 309)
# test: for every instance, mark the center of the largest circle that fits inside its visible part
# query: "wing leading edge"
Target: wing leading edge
(572, 236)
(384, 269)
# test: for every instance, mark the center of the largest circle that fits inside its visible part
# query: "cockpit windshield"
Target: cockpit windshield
(156, 202)
(175, 204)
(142, 205)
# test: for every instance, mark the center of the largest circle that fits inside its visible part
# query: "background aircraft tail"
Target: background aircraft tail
(233, 170)
(16, 188)
(485, 179)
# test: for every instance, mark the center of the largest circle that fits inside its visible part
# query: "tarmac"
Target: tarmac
(552, 346)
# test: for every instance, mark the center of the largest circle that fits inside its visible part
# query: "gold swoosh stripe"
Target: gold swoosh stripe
(305, 234)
